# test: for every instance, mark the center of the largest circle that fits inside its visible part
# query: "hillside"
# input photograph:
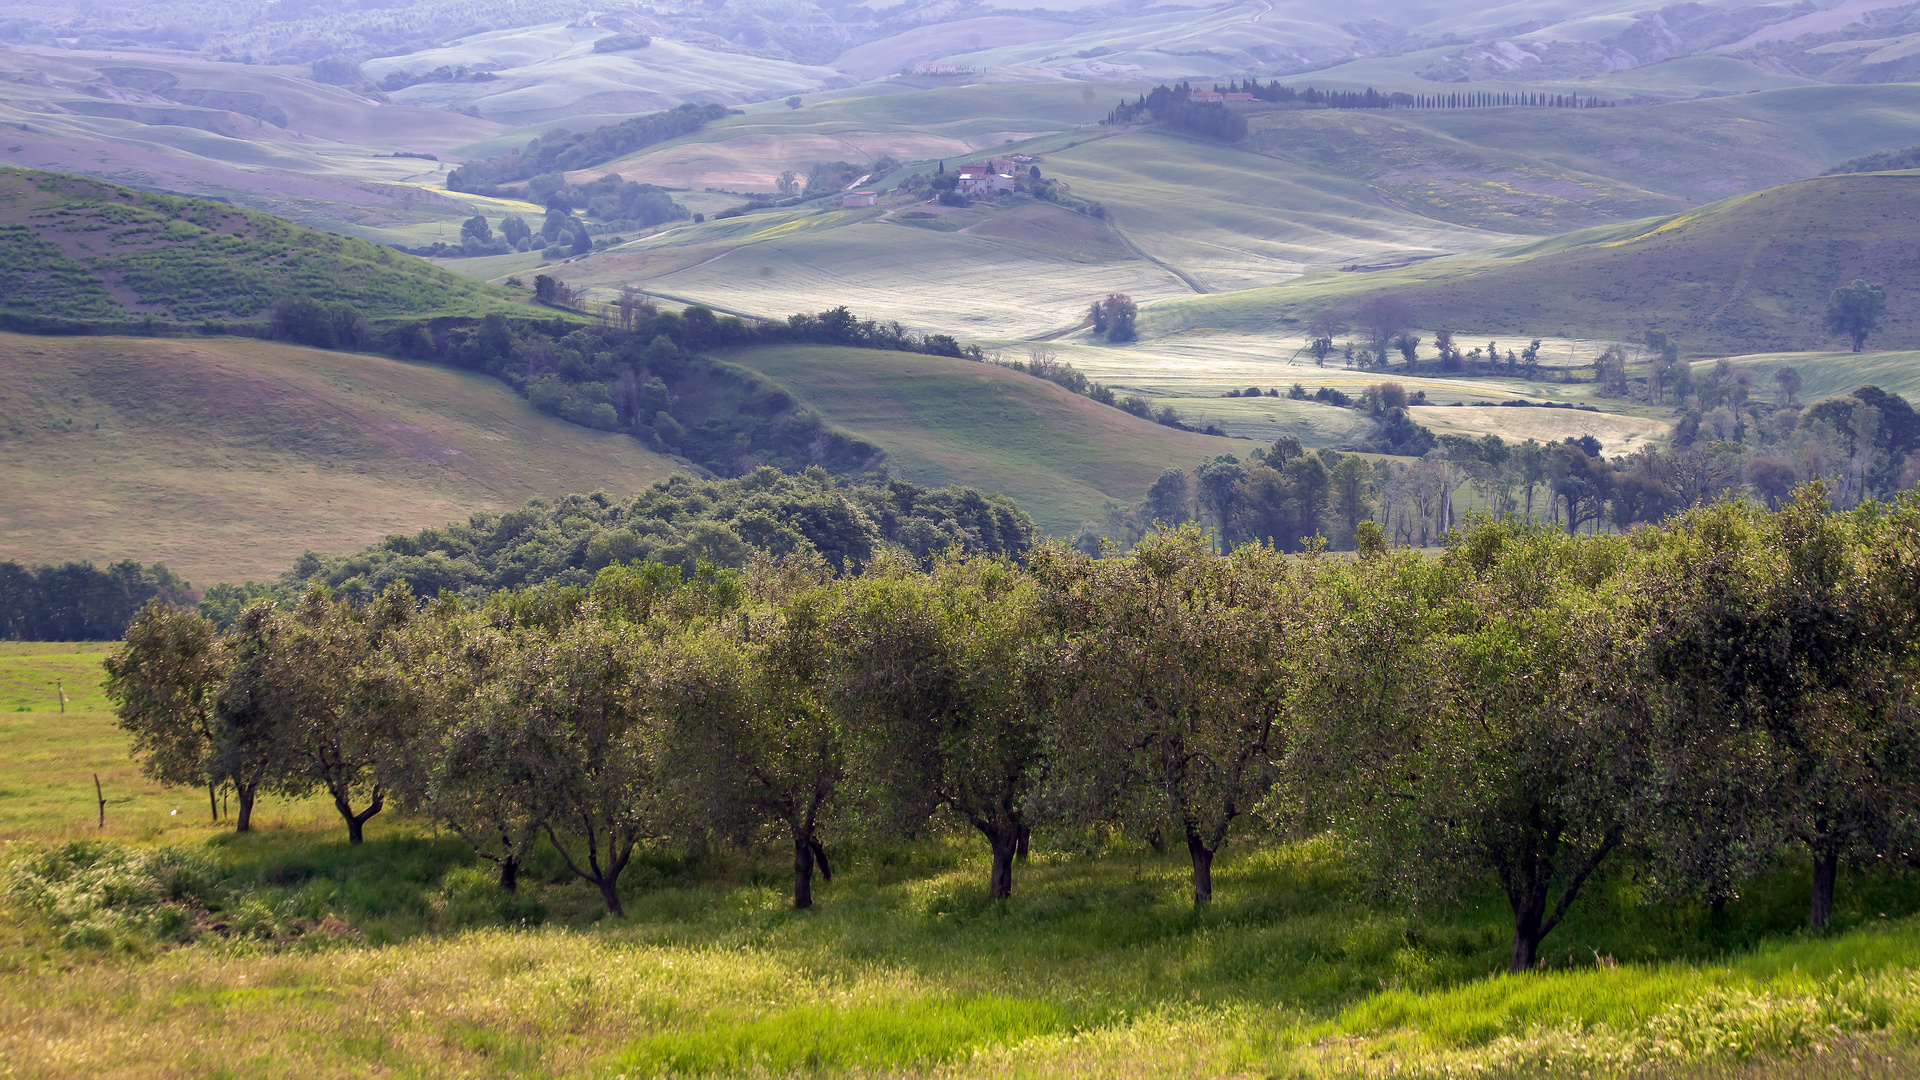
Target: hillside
(226, 458)
(85, 251)
(1745, 275)
(945, 421)
(1832, 374)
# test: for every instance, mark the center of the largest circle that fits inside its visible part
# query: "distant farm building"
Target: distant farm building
(929, 67)
(983, 178)
(1206, 97)
(858, 198)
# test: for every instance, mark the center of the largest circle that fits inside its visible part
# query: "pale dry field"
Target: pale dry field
(226, 458)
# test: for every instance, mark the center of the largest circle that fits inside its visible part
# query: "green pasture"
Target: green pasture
(399, 957)
(1193, 371)
(1230, 219)
(944, 421)
(53, 755)
(1828, 374)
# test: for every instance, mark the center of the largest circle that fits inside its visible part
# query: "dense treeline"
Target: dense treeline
(78, 601)
(1173, 105)
(561, 151)
(1862, 446)
(1884, 161)
(641, 371)
(679, 522)
(1688, 704)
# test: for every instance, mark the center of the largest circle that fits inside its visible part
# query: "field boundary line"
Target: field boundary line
(1175, 271)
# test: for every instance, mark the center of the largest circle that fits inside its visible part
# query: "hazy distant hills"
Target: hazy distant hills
(521, 61)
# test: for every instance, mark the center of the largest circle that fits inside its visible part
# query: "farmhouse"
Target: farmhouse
(983, 178)
(858, 198)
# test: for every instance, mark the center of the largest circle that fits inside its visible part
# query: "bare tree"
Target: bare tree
(1382, 319)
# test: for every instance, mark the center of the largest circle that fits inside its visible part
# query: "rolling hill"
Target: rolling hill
(1062, 457)
(1745, 275)
(1833, 374)
(79, 250)
(226, 458)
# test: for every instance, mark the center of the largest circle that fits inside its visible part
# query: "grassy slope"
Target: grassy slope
(1232, 219)
(75, 248)
(945, 421)
(1826, 374)
(1022, 270)
(226, 458)
(1748, 274)
(53, 756)
(1096, 966)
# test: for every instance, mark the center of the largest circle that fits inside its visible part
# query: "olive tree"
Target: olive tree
(249, 744)
(1524, 754)
(306, 685)
(748, 723)
(567, 710)
(163, 681)
(454, 763)
(930, 674)
(1178, 669)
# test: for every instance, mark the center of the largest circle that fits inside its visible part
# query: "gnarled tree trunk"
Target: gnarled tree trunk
(802, 869)
(1202, 857)
(1005, 842)
(245, 793)
(356, 823)
(1826, 867)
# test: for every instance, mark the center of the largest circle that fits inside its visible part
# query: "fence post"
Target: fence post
(102, 799)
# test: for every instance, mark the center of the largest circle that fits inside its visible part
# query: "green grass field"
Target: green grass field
(409, 964)
(945, 421)
(53, 755)
(1827, 374)
(227, 457)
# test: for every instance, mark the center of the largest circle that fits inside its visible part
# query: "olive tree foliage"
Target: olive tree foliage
(1526, 755)
(1797, 632)
(750, 731)
(566, 710)
(250, 744)
(305, 685)
(1176, 676)
(931, 675)
(163, 681)
(457, 765)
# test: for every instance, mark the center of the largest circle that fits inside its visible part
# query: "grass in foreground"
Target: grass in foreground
(290, 952)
